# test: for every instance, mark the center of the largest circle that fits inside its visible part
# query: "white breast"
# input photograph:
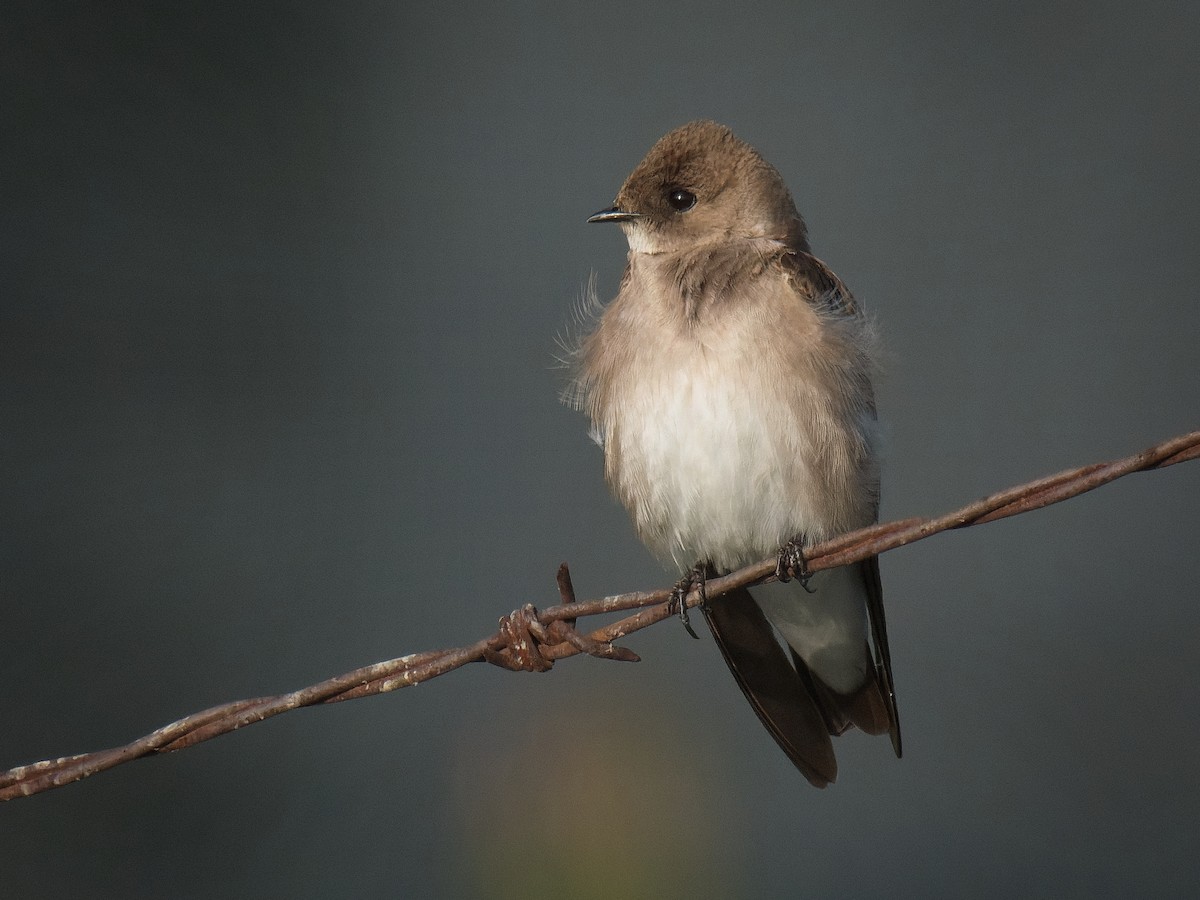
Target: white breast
(714, 456)
(731, 426)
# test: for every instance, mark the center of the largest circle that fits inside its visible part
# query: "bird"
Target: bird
(729, 384)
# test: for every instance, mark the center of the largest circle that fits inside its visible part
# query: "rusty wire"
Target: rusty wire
(532, 640)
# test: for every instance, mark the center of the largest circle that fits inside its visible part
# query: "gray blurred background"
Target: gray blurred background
(279, 290)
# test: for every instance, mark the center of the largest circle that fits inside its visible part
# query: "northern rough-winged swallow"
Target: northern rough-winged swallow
(729, 384)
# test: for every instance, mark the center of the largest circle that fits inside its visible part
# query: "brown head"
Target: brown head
(700, 184)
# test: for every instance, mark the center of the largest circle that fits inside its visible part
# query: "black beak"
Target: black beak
(616, 214)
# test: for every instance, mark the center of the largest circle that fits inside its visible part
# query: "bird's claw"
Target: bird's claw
(792, 564)
(694, 578)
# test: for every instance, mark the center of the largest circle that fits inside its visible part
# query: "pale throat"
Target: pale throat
(640, 239)
(646, 242)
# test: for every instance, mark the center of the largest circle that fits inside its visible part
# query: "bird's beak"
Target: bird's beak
(616, 214)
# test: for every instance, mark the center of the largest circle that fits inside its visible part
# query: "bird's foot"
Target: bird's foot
(792, 564)
(694, 578)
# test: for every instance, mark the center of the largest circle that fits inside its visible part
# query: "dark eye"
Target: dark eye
(681, 200)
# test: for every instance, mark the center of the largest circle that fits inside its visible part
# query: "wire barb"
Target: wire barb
(534, 640)
(523, 637)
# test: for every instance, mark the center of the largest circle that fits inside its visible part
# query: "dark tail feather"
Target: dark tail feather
(883, 656)
(784, 700)
(871, 708)
(865, 709)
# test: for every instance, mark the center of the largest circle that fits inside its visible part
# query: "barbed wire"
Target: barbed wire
(532, 640)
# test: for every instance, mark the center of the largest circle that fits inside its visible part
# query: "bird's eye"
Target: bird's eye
(681, 200)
